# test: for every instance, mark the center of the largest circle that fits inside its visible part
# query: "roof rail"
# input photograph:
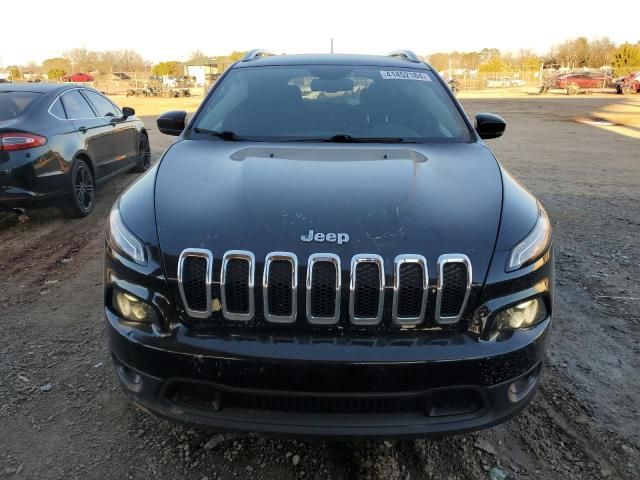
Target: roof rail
(256, 53)
(406, 54)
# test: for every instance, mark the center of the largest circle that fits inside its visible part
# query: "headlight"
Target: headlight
(533, 245)
(523, 315)
(132, 308)
(122, 240)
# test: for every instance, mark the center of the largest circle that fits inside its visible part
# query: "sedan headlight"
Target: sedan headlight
(122, 240)
(132, 308)
(523, 315)
(533, 245)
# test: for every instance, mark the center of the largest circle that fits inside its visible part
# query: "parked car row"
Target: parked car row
(57, 141)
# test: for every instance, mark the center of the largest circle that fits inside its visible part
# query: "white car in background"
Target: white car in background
(504, 82)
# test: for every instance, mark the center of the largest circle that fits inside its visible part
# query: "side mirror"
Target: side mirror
(489, 125)
(172, 123)
(128, 112)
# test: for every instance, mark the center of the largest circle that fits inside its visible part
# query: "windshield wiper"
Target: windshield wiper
(224, 135)
(345, 138)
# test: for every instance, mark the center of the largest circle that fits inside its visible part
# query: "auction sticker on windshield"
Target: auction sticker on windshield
(404, 75)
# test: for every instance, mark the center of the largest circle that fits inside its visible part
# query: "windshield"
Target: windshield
(14, 104)
(324, 102)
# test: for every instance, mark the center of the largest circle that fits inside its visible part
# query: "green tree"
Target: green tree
(56, 74)
(172, 68)
(57, 63)
(526, 59)
(15, 74)
(495, 65)
(236, 55)
(626, 58)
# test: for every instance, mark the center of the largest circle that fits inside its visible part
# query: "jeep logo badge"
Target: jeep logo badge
(312, 236)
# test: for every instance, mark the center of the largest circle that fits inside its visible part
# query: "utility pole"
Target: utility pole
(332, 45)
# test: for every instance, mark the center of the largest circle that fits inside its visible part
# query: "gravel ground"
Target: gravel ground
(62, 414)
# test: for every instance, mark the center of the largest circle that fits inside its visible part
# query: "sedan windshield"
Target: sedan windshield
(331, 103)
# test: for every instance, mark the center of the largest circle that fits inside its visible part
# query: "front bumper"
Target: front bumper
(329, 387)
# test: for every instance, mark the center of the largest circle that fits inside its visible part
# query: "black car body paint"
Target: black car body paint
(341, 380)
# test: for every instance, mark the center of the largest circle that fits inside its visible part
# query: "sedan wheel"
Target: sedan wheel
(144, 155)
(83, 191)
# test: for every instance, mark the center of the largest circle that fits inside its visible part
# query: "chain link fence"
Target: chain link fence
(536, 79)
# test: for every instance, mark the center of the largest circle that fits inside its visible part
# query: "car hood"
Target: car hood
(390, 200)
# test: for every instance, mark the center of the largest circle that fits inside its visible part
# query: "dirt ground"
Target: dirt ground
(62, 415)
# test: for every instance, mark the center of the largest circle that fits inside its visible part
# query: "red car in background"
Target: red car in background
(77, 77)
(577, 81)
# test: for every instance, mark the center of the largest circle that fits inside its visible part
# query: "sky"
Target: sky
(170, 30)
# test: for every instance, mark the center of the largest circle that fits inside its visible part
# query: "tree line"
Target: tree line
(575, 53)
(83, 60)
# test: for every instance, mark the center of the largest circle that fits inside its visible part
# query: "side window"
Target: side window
(57, 109)
(103, 106)
(76, 106)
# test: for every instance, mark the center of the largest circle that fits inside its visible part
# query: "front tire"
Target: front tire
(144, 155)
(83, 191)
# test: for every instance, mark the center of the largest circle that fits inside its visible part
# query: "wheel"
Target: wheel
(572, 89)
(83, 191)
(144, 155)
(619, 90)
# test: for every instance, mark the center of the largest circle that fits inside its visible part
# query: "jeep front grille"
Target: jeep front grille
(454, 286)
(366, 299)
(280, 287)
(236, 285)
(410, 289)
(323, 288)
(194, 280)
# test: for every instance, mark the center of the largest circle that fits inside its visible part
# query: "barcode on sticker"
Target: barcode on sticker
(404, 75)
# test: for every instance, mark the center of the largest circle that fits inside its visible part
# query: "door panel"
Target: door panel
(125, 134)
(96, 133)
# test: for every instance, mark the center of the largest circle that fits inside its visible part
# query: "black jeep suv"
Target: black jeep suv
(329, 249)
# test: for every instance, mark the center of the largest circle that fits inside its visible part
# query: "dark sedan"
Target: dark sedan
(58, 141)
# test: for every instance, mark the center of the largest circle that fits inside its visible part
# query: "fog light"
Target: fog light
(523, 315)
(132, 308)
(523, 386)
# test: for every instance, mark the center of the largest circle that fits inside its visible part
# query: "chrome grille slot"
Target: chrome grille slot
(454, 287)
(236, 285)
(366, 296)
(280, 285)
(410, 289)
(194, 281)
(323, 289)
